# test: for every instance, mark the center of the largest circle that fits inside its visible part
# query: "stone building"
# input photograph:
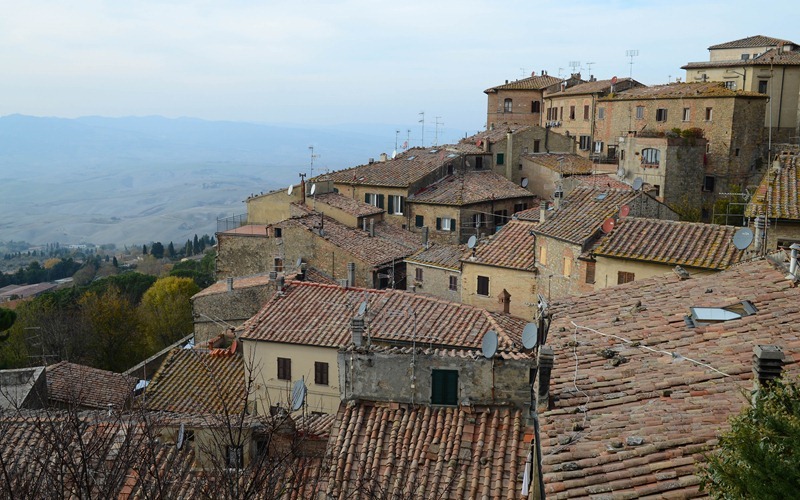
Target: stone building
(546, 174)
(775, 206)
(731, 121)
(519, 102)
(436, 271)
(762, 64)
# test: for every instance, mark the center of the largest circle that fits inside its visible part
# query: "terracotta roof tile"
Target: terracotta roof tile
(198, 381)
(566, 163)
(448, 256)
(531, 83)
(603, 181)
(779, 190)
(407, 451)
(350, 206)
(88, 387)
(221, 286)
(494, 135)
(680, 91)
(692, 244)
(313, 314)
(751, 41)
(640, 426)
(407, 168)
(771, 57)
(595, 87)
(468, 188)
(511, 247)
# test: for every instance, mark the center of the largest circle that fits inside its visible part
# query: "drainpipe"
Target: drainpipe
(509, 159)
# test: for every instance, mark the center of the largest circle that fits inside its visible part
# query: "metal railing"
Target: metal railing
(232, 222)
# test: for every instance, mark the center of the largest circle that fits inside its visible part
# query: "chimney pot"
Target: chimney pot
(767, 363)
(273, 275)
(229, 281)
(357, 328)
(351, 274)
(372, 228)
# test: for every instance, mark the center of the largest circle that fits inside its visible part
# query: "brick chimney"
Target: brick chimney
(351, 274)
(505, 299)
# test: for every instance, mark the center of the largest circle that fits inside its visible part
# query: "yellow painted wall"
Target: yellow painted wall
(520, 284)
(607, 269)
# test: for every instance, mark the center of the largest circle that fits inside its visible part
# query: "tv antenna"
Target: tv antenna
(573, 66)
(589, 67)
(311, 148)
(436, 135)
(631, 53)
(522, 72)
(489, 344)
(422, 121)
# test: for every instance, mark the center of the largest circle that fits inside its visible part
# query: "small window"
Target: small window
(397, 205)
(657, 189)
(623, 277)
(277, 232)
(572, 112)
(500, 217)
(543, 255)
(234, 457)
(586, 112)
(651, 157)
(507, 106)
(708, 183)
(449, 169)
(661, 115)
(501, 157)
(708, 147)
(320, 373)
(284, 369)
(585, 142)
(536, 145)
(477, 220)
(483, 286)
(597, 147)
(444, 387)
(567, 266)
(730, 85)
(762, 86)
(479, 163)
(601, 113)
(687, 114)
(745, 57)
(736, 152)
(454, 283)
(418, 274)
(590, 271)
(640, 112)
(709, 114)
(445, 224)
(535, 106)
(612, 151)
(419, 221)
(519, 207)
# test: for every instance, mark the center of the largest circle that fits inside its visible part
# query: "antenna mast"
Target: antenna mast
(422, 121)
(631, 53)
(311, 148)
(574, 65)
(436, 136)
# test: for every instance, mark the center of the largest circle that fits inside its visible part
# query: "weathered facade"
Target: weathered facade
(519, 102)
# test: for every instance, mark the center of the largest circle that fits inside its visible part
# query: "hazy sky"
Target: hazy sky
(352, 61)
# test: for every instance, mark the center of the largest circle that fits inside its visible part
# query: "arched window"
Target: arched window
(650, 157)
(507, 106)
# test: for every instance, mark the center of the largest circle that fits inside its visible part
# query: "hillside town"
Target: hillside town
(571, 303)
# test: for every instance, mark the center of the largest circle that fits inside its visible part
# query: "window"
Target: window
(687, 114)
(549, 113)
(598, 146)
(535, 105)
(483, 286)
(639, 112)
(730, 85)
(572, 112)
(661, 115)
(284, 369)
(585, 142)
(477, 220)
(567, 266)
(519, 207)
(234, 457)
(586, 112)
(736, 152)
(561, 112)
(709, 114)
(445, 224)
(762, 86)
(376, 200)
(621, 154)
(418, 274)
(708, 183)
(419, 221)
(507, 106)
(657, 189)
(397, 204)
(320, 373)
(278, 265)
(601, 113)
(444, 387)
(612, 151)
(501, 157)
(543, 255)
(454, 283)
(277, 232)
(623, 277)
(449, 169)
(500, 217)
(745, 57)
(708, 147)
(590, 270)
(650, 157)
(536, 144)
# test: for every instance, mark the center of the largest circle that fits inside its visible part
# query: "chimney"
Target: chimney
(364, 224)
(545, 370)
(372, 228)
(384, 157)
(229, 281)
(357, 327)
(485, 143)
(351, 274)
(371, 161)
(273, 275)
(281, 283)
(760, 229)
(425, 237)
(543, 212)
(767, 366)
(793, 259)
(504, 298)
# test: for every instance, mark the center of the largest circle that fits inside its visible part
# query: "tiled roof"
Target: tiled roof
(314, 275)
(402, 451)
(350, 206)
(531, 83)
(583, 212)
(680, 91)
(198, 381)
(426, 350)
(470, 187)
(448, 256)
(511, 247)
(595, 87)
(530, 214)
(751, 41)
(773, 56)
(637, 425)
(693, 244)
(778, 195)
(566, 163)
(314, 314)
(407, 168)
(494, 135)
(603, 181)
(221, 286)
(88, 387)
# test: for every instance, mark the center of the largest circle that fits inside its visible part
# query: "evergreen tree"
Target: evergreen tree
(114, 262)
(196, 250)
(157, 250)
(144, 249)
(171, 251)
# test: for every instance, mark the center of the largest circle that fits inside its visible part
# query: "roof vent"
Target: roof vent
(357, 328)
(229, 282)
(767, 363)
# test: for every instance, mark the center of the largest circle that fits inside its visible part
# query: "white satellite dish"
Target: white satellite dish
(489, 344)
(289, 191)
(530, 334)
(743, 238)
(313, 189)
(362, 308)
(524, 182)
(394, 154)
(621, 172)
(299, 262)
(637, 183)
(472, 241)
(298, 395)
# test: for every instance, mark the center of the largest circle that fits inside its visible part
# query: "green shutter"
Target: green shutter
(501, 158)
(366, 198)
(401, 202)
(444, 387)
(420, 221)
(391, 204)
(380, 201)
(452, 224)
(439, 223)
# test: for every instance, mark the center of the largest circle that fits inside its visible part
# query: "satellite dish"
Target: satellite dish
(529, 335)
(524, 182)
(743, 238)
(613, 80)
(181, 437)
(298, 395)
(472, 241)
(313, 189)
(608, 225)
(289, 191)
(489, 344)
(394, 154)
(362, 308)
(621, 172)
(624, 210)
(299, 262)
(637, 183)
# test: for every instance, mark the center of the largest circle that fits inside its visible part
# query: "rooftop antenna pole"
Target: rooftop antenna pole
(631, 53)
(436, 135)
(422, 121)
(311, 148)
(589, 68)
(574, 65)
(522, 72)
(396, 135)
(408, 137)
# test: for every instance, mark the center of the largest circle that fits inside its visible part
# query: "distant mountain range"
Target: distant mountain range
(140, 179)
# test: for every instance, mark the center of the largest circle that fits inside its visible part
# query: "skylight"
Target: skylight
(701, 316)
(410, 158)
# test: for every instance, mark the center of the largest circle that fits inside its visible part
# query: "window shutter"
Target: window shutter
(366, 198)
(391, 205)
(452, 225)
(420, 221)
(401, 204)
(380, 201)
(439, 223)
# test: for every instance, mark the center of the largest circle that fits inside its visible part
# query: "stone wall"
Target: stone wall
(213, 313)
(608, 269)
(520, 284)
(435, 281)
